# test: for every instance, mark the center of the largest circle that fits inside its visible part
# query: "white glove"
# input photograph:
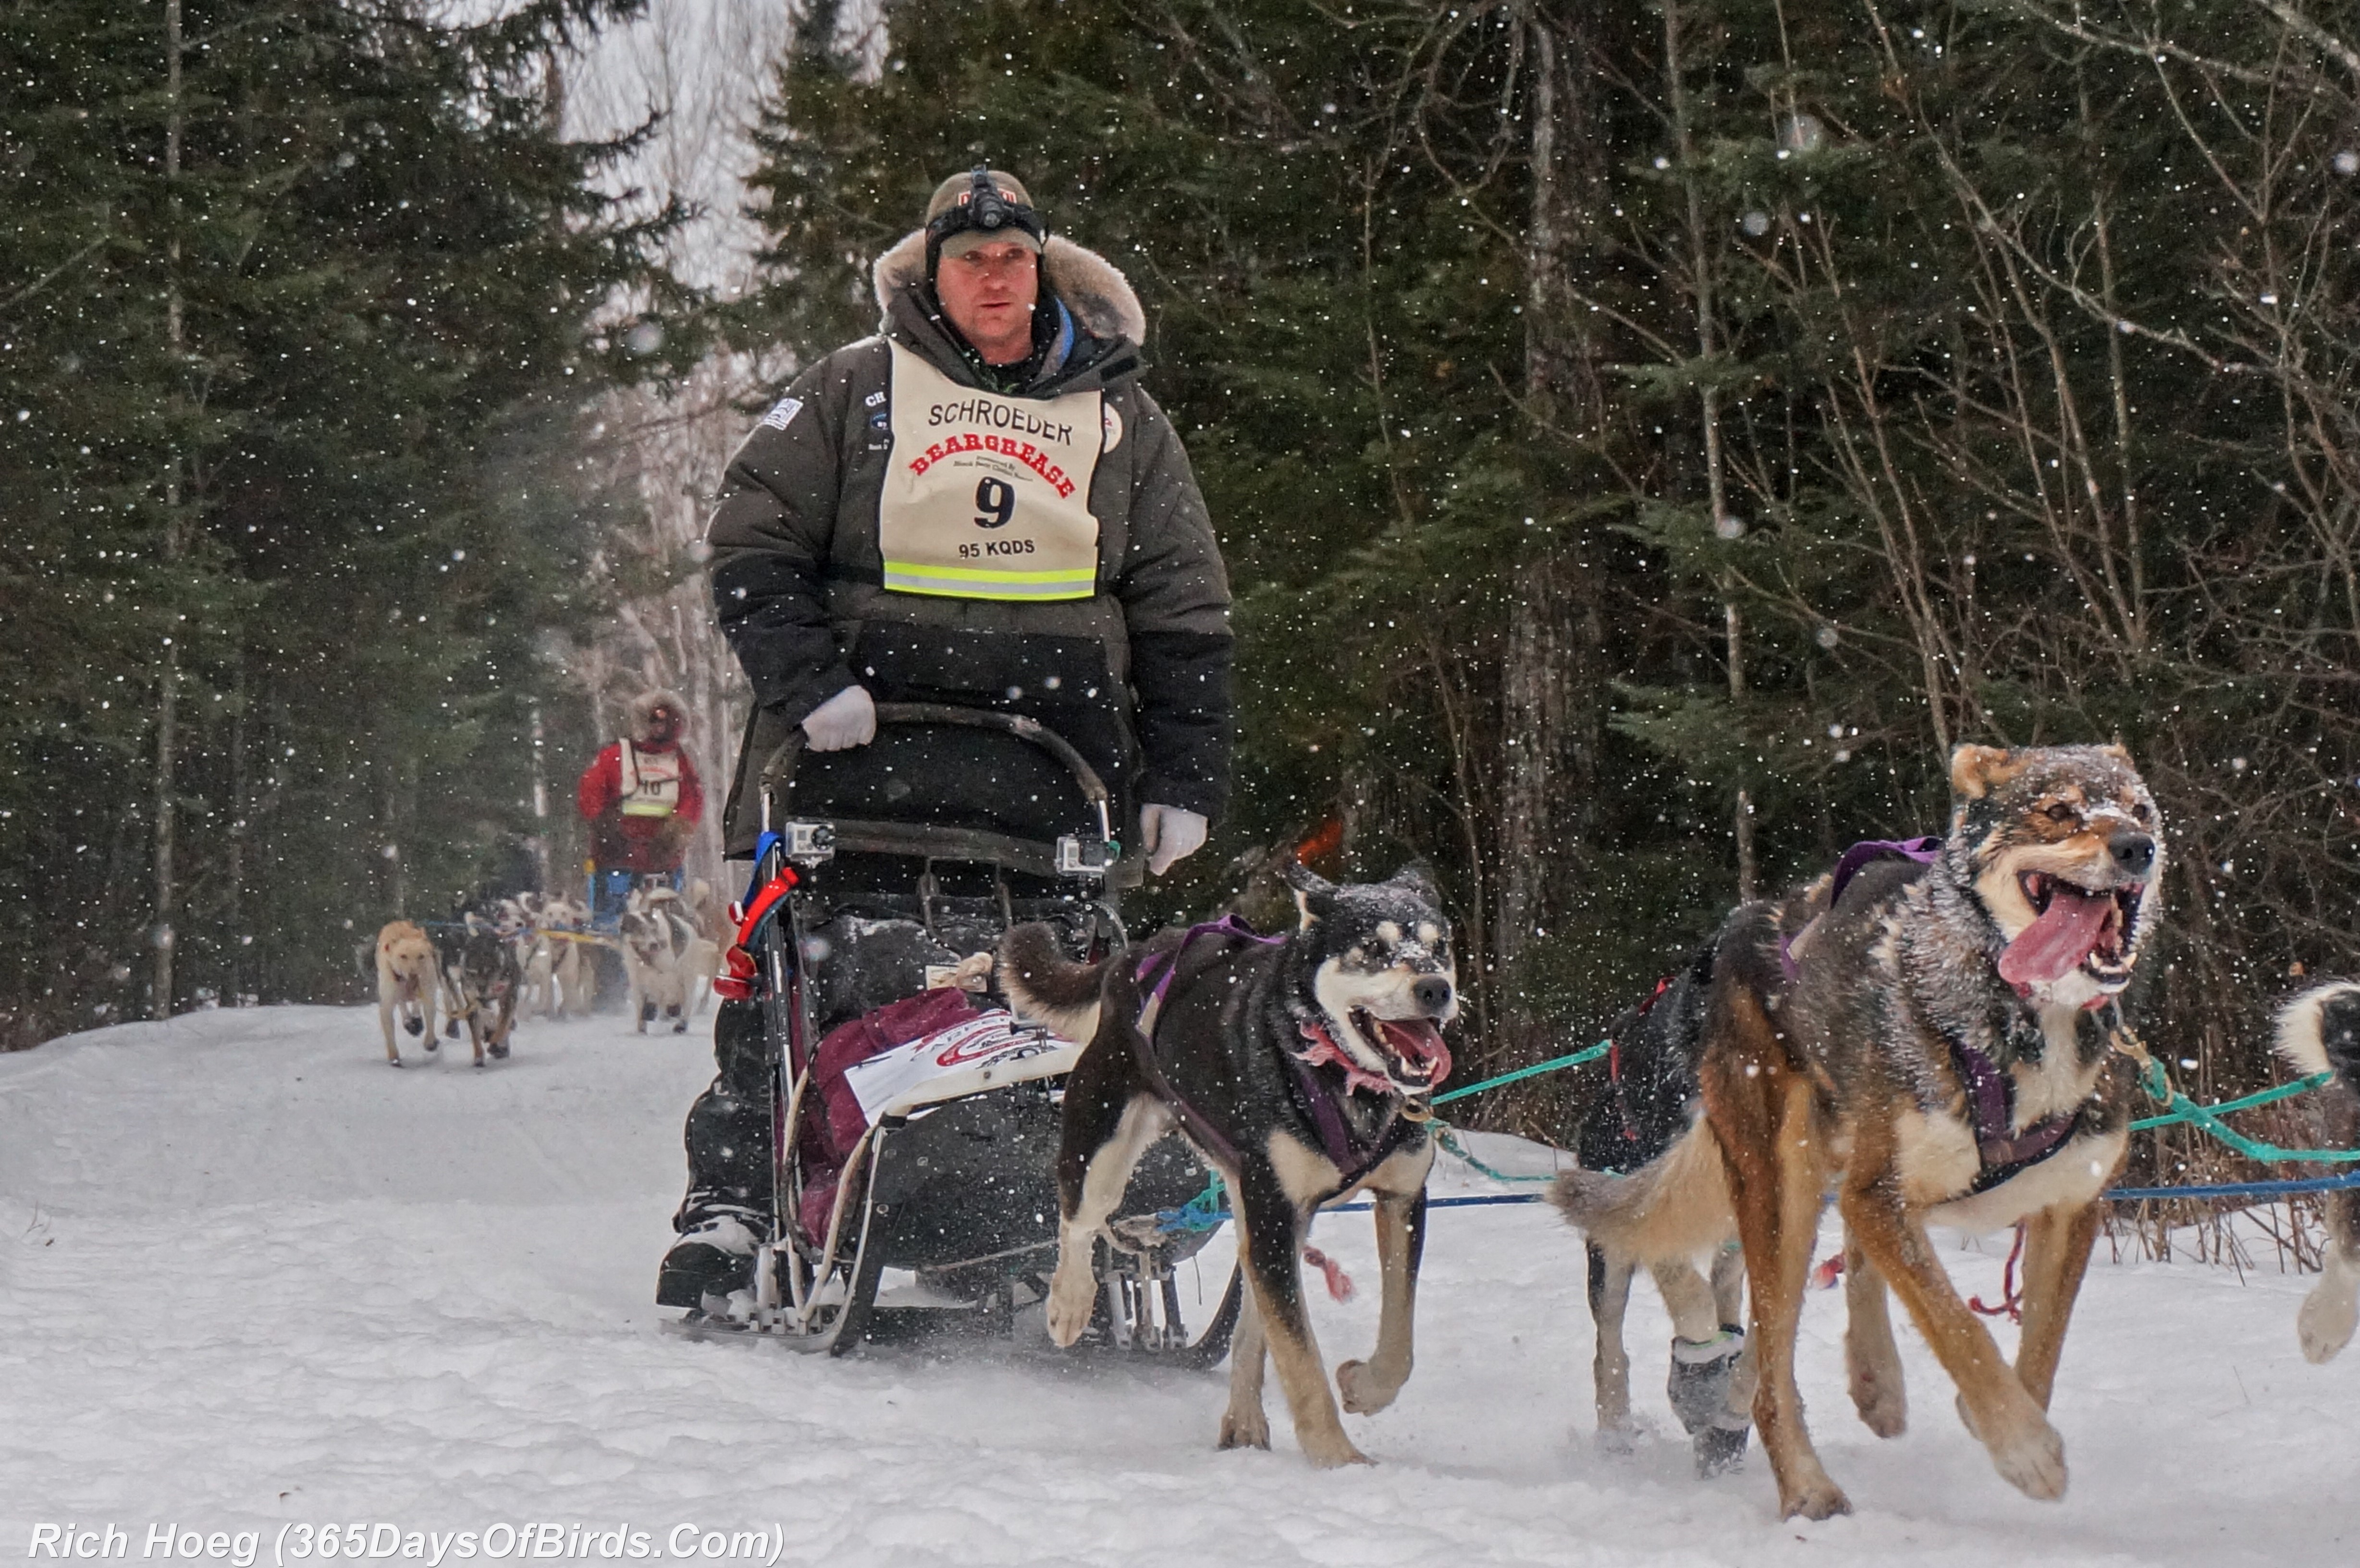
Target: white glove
(1168, 835)
(844, 721)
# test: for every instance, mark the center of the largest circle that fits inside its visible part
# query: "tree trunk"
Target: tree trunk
(539, 805)
(1552, 706)
(160, 934)
(1716, 481)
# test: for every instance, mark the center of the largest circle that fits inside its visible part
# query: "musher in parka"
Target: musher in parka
(978, 505)
(641, 800)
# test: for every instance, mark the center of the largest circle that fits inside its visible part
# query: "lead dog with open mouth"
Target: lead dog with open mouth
(1301, 1067)
(1935, 1039)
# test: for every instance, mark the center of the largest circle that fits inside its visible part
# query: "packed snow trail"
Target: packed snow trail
(250, 1277)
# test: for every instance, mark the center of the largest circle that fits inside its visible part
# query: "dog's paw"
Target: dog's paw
(1332, 1453)
(2033, 1462)
(1072, 1293)
(415, 1027)
(1882, 1403)
(1244, 1429)
(451, 1030)
(1617, 1441)
(396, 1062)
(432, 1043)
(1817, 1500)
(1363, 1393)
(2328, 1316)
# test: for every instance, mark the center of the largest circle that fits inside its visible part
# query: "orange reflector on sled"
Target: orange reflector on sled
(742, 981)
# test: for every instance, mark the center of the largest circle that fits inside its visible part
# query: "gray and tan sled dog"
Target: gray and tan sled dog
(1931, 1041)
(2319, 1032)
(1300, 1066)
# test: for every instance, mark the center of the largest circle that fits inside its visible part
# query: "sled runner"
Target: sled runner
(917, 1121)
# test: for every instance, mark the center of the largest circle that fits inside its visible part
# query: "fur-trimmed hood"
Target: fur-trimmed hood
(642, 708)
(1093, 287)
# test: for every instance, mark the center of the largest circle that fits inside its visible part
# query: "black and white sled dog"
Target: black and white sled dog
(1300, 1066)
(1647, 1106)
(2319, 1032)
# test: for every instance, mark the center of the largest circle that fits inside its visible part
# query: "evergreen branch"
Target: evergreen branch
(54, 273)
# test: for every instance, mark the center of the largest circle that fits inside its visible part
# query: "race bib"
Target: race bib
(651, 781)
(985, 497)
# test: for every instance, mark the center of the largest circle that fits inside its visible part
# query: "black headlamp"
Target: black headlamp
(982, 208)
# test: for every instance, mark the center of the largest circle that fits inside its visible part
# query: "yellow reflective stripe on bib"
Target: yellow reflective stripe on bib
(986, 497)
(981, 582)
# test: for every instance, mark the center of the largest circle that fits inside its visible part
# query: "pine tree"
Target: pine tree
(304, 337)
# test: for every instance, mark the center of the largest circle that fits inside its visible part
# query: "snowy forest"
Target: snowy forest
(1644, 439)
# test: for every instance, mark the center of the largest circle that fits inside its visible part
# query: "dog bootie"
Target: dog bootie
(714, 1259)
(1699, 1389)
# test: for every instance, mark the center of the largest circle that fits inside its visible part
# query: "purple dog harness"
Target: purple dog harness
(1991, 1094)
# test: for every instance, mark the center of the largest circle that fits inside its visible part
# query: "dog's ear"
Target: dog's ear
(1417, 881)
(2119, 752)
(1977, 770)
(1314, 894)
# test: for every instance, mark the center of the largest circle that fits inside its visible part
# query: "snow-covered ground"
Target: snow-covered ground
(249, 1277)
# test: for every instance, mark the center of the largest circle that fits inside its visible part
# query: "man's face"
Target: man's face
(663, 727)
(988, 294)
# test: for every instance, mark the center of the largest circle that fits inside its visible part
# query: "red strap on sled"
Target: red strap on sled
(741, 978)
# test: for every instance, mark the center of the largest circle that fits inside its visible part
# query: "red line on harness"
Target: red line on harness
(1339, 1284)
(2012, 1299)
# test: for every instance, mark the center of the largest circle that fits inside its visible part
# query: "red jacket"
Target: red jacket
(620, 843)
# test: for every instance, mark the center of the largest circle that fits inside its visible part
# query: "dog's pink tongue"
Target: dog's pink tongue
(2063, 935)
(1421, 1042)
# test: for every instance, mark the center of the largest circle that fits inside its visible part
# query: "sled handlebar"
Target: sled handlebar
(779, 772)
(779, 775)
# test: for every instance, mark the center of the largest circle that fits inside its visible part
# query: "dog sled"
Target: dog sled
(916, 1120)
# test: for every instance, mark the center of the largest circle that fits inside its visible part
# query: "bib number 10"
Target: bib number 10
(995, 502)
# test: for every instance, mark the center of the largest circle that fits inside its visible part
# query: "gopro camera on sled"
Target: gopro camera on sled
(807, 842)
(1079, 856)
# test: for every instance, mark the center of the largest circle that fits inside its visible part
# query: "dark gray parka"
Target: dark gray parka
(798, 574)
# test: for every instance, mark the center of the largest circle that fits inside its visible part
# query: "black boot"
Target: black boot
(727, 1213)
(714, 1259)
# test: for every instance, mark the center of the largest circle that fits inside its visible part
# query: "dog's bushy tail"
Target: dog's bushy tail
(1047, 987)
(2319, 1032)
(1673, 1207)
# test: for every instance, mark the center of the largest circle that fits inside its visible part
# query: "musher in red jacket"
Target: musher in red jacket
(642, 801)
